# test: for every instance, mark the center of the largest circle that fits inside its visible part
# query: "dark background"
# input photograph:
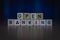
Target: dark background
(9, 9)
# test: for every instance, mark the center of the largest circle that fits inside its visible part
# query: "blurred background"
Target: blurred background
(10, 8)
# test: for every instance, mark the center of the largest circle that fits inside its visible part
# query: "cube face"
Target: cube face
(42, 22)
(33, 16)
(19, 15)
(36, 22)
(27, 16)
(23, 22)
(10, 22)
(39, 16)
(49, 22)
(17, 22)
(29, 22)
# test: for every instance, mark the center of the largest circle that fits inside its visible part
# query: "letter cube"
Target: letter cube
(29, 22)
(23, 22)
(49, 22)
(42, 22)
(33, 16)
(19, 15)
(36, 22)
(10, 22)
(17, 22)
(39, 16)
(27, 16)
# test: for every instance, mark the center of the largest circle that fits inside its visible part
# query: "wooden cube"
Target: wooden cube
(27, 16)
(39, 16)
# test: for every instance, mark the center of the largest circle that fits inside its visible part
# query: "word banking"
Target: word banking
(29, 19)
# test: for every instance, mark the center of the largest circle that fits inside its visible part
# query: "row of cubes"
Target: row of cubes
(18, 22)
(29, 16)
